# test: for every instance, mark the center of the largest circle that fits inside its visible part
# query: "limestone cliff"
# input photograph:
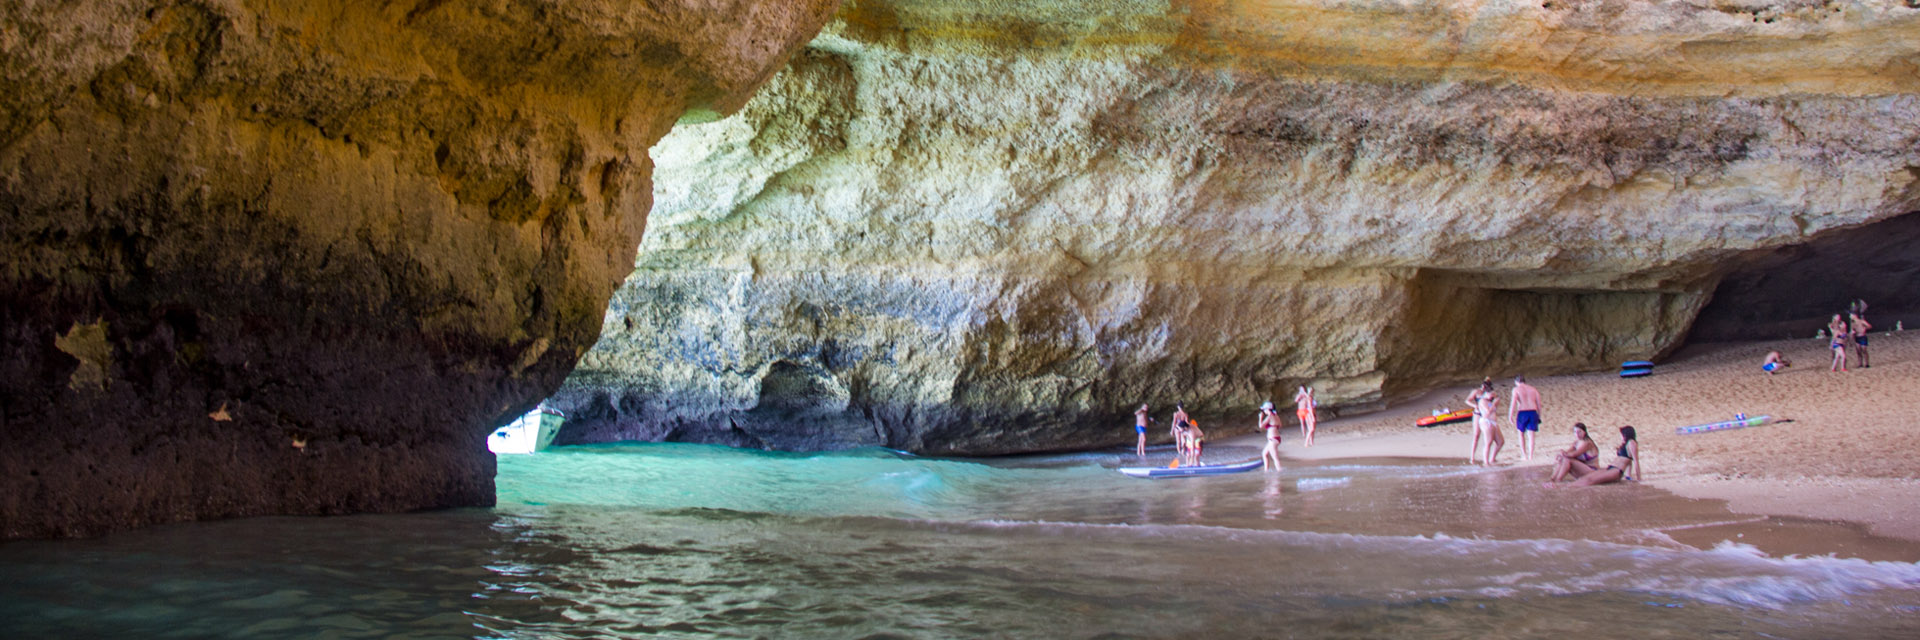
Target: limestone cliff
(300, 257)
(987, 227)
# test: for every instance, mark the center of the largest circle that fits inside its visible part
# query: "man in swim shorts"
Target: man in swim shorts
(1774, 363)
(1525, 414)
(1859, 332)
(1140, 428)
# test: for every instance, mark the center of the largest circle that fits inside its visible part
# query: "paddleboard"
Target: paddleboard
(1635, 373)
(1754, 421)
(1636, 364)
(1190, 472)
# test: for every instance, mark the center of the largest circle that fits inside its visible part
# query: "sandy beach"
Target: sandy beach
(1849, 452)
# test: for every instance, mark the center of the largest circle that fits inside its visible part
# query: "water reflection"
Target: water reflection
(604, 542)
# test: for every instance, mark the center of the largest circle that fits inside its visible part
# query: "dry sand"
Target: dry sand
(1850, 453)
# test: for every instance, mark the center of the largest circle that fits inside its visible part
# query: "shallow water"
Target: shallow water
(666, 540)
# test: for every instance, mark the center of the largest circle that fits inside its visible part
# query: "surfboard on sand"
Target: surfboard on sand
(1636, 369)
(1191, 472)
(1754, 421)
(1445, 418)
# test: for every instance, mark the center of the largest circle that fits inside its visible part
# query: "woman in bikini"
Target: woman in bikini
(1578, 458)
(1625, 465)
(1270, 421)
(1838, 328)
(1484, 402)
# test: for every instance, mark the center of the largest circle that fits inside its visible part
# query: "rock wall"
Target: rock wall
(991, 227)
(301, 257)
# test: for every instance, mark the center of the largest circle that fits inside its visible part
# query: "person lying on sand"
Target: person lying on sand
(1625, 465)
(1577, 459)
(1774, 363)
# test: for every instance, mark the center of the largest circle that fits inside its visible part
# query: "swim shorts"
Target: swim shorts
(1303, 414)
(1862, 341)
(1527, 421)
(1139, 429)
(1769, 367)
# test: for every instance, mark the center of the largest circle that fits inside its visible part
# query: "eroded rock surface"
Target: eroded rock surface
(300, 257)
(982, 227)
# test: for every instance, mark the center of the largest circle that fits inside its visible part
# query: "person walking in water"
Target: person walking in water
(1485, 402)
(1270, 422)
(1303, 408)
(1524, 412)
(1859, 329)
(1838, 329)
(1140, 421)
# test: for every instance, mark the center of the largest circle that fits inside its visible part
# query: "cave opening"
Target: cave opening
(1791, 291)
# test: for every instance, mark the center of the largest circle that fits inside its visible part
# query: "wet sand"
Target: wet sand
(1850, 452)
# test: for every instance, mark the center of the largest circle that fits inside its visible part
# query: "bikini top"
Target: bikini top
(1623, 452)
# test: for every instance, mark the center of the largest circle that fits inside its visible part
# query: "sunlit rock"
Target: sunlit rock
(993, 227)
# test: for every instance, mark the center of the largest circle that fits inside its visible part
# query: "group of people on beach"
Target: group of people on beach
(1845, 331)
(1849, 333)
(1579, 461)
(1187, 436)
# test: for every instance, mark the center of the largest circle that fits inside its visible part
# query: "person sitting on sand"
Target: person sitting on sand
(1270, 422)
(1484, 403)
(1625, 465)
(1838, 329)
(1858, 327)
(1578, 458)
(1304, 405)
(1774, 362)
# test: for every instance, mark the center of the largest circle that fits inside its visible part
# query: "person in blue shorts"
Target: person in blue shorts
(1524, 411)
(1774, 363)
(1140, 420)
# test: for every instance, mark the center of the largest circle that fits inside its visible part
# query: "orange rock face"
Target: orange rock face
(373, 231)
(998, 227)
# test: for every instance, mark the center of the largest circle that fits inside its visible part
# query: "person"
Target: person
(1774, 362)
(1194, 437)
(1140, 421)
(1859, 330)
(1180, 418)
(1270, 422)
(1303, 408)
(1524, 413)
(1838, 329)
(1625, 466)
(1484, 404)
(1577, 459)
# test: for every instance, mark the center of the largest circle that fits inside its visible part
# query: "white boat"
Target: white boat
(528, 433)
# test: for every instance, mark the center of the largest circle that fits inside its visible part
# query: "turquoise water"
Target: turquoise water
(669, 540)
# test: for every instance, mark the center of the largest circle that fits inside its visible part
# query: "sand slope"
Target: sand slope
(1851, 452)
